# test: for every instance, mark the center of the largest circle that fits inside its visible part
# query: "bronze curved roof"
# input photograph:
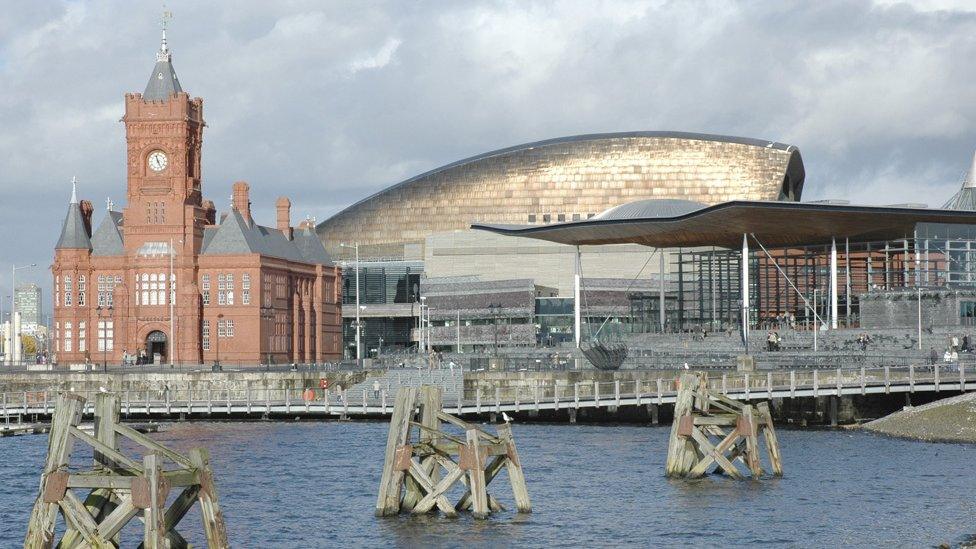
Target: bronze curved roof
(775, 224)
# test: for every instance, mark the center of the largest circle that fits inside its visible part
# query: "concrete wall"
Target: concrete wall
(179, 383)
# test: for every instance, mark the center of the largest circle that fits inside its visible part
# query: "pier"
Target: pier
(471, 394)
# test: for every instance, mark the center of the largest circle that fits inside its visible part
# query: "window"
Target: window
(230, 289)
(57, 336)
(225, 328)
(100, 300)
(221, 290)
(531, 218)
(67, 337)
(82, 290)
(81, 337)
(206, 298)
(67, 291)
(576, 217)
(546, 218)
(106, 335)
(57, 291)
(205, 335)
(205, 282)
(172, 288)
(561, 218)
(246, 289)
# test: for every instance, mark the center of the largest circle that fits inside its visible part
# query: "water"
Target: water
(314, 484)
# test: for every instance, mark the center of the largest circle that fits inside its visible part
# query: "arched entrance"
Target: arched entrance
(156, 345)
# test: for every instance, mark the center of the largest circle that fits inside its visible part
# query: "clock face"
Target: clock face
(157, 161)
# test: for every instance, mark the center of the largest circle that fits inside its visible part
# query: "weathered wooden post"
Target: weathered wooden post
(418, 472)
(701, 413)
(120, 487)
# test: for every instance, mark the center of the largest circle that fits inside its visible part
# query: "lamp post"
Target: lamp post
(216, 365)
(495, 309)
(359, 346)
(816, 320)
(423, 329)
(267, 313)
(103, 333)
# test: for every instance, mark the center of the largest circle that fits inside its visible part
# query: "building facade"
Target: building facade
(27, 302)
(164, 278)
(564, 179)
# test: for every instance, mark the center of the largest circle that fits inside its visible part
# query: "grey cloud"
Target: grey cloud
(329, 102)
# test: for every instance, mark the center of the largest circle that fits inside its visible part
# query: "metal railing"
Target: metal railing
(526, 394)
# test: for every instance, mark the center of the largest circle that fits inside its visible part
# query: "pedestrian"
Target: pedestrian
(125, 357)
(933, 356)
(339, 392)
(376, 388)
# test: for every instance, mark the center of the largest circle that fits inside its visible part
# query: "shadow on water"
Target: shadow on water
(314, 484)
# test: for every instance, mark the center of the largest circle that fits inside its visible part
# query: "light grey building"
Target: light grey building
(27, 302)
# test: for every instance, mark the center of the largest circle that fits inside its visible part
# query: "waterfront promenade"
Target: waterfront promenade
(557, 394)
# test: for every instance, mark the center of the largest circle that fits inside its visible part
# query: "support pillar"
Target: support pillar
(833, 404)
(577, 283)
(745, 291)
(652, 412)
(661, 290)
(833, 283)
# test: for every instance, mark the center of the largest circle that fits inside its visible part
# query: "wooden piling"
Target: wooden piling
(120, 487)
(701, 414)
(419, 471)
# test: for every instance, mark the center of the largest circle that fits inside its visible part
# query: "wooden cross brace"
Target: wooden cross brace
(120, 487)
(418, 465)
(699, 413)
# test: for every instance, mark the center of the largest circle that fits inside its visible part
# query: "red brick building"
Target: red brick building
(165, 277)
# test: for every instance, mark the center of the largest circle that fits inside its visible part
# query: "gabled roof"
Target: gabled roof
(311, 247)
(107, 239)
(74, 235)
(234, 236)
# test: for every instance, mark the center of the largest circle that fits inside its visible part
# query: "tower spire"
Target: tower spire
(74, 190)
(164, 54)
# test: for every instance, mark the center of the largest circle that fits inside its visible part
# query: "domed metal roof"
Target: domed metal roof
(644, 209)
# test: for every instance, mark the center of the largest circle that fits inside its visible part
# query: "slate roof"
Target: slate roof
(233, 236)
(162, 82)
(74, 235)
(107, 239)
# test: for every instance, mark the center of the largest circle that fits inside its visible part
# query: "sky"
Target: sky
(329, 101)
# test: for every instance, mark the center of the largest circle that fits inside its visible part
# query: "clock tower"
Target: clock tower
(164, 134)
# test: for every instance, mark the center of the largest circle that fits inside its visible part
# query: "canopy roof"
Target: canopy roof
(775, 224)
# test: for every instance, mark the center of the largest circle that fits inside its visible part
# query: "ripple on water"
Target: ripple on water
(313, 484)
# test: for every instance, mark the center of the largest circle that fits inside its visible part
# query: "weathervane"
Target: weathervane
(163, 54)
(109, 204)
(74, 190)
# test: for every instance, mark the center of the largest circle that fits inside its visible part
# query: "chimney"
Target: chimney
(283, 205)
(86, 213)
(242, 200)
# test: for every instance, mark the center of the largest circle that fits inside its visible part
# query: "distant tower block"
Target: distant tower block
(699, 442)
(418, 471)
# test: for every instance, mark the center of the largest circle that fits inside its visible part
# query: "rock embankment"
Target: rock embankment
(947, 420)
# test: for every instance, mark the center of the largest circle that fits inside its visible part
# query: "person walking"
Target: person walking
(376, 388)
(933, 356)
